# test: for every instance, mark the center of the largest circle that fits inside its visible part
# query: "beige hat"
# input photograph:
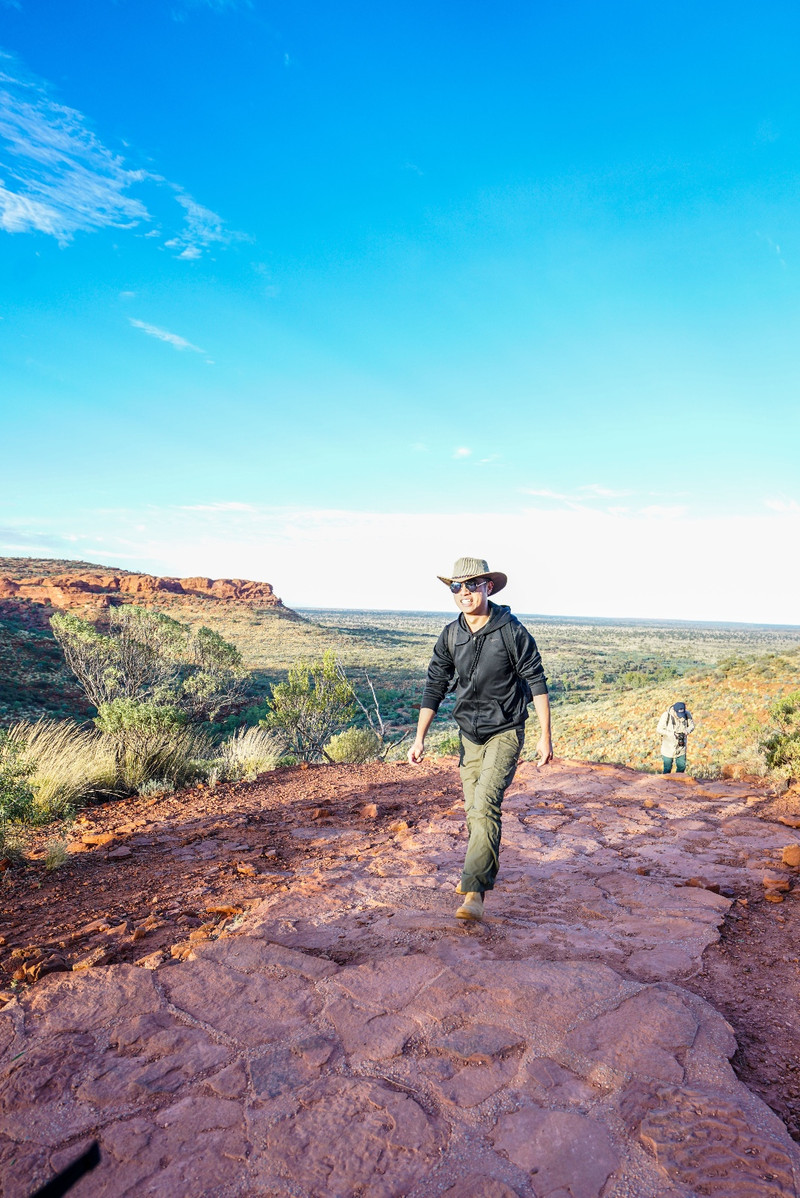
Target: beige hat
(475, 567)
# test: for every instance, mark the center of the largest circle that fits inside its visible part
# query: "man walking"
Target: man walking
(497, 671)
(674, 727)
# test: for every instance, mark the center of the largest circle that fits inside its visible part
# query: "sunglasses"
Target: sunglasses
(473, 585)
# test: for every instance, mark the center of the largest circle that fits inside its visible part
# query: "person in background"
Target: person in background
(674, 727)
(498, 670)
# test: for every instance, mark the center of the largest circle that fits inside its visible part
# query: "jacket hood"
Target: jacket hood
(499, 614)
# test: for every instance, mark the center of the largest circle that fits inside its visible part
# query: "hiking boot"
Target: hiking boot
(472, 906)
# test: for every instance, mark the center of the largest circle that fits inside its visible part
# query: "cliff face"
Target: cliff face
(97, 591)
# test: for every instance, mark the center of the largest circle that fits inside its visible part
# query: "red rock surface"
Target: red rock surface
(322, 1025)
(94, 591)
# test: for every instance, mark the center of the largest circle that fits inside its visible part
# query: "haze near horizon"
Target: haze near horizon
(330, 298)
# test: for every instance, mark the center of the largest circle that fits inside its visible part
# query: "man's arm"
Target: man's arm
(417, 750)
(544, 746)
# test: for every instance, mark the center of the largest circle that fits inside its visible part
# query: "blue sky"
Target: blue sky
(329, 295)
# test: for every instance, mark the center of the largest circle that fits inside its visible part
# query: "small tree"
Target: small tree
(371, 710)
(148, 657)
(782, 746)
(315, 701)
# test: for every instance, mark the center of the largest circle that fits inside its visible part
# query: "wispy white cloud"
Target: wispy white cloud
(781, 503)
(462, 452)
(602, 492)
(58, 178)
(493, 457)
(230, 506)
(171, 338)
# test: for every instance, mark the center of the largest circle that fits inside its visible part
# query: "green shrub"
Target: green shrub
(354, 746)
(16, 794)
(151, 741)
(315, 701)
(782, 746)
(447, 745)
(249, 752)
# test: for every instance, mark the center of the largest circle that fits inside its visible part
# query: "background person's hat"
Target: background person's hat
(475, 567)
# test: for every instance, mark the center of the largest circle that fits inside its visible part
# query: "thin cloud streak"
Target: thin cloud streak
(60, 179)
(171, 338)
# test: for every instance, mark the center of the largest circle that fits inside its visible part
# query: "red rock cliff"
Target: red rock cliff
(68, 591)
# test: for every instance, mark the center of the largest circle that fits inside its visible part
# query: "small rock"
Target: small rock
(318, 813)
(203, 932)
(369, 811)
(225, 910)
(791, 855)
(398, 826)
(773, 896)
(77, 846)
(791, 821)
(118, 854)
(151, 960)
(649, 803)
(98, 956)
(97, 838)
(643, 870)
(773, 880)
(246, 869)
(181, 950)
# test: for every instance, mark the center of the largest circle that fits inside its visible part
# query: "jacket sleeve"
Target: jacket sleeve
(690, 725)
(440, 673)
(661, 727)
(529, 660)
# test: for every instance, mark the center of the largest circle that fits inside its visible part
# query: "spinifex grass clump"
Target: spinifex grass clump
(64, 764)
(248, 753)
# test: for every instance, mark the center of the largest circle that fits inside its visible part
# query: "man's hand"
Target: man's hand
(416, 752)
(544, 750)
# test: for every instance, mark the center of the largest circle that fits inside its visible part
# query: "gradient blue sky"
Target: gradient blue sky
(329, 295)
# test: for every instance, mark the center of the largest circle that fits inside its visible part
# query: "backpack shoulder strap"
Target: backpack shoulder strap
(452, 630)
(510, 644)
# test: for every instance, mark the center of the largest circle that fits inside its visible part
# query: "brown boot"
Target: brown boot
(472, 906)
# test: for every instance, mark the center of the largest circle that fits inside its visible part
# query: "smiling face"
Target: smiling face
(474, 603)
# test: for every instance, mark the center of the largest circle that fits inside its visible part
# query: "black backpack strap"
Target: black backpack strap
(452, 630)
(511, 645)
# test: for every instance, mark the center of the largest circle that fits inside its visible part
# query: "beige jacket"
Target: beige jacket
(668, 727)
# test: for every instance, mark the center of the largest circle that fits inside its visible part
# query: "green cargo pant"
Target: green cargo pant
(486, 771)
(680, 764)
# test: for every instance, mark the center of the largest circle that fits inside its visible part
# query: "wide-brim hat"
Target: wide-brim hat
(475, 567)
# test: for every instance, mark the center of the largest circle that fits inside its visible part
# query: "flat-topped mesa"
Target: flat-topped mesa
(66, 591)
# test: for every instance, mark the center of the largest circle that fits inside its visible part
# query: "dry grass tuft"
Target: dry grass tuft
(69, 764)
(249, 752)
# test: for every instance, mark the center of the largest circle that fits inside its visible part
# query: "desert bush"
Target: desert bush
(16, 795)
(448, 745)
(147, 657)
(67, 764)
(314, 702)
(249, 752)
(151, 741)
(12, 846)
(782, 746)
(155, 786)
(354, 746)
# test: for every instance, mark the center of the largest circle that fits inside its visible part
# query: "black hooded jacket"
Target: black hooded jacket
(490, 693)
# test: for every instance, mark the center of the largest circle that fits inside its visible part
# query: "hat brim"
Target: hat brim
(497, 579)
